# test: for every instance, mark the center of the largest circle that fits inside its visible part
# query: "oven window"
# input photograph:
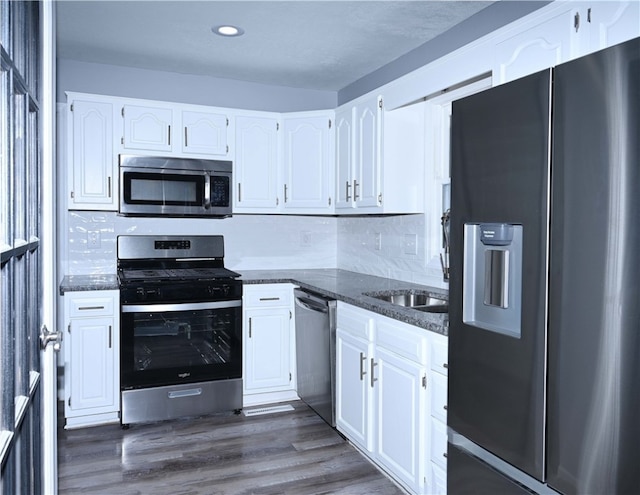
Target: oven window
(163, 189)
(180, 346)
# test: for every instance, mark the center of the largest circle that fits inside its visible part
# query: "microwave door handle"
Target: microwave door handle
(207, 191)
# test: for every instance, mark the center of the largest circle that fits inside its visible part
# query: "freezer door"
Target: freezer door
(500, 168)
(468, 474)
(594, 309)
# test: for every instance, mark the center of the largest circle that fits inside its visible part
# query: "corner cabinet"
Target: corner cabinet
(308, 157)
(256, 165)
(92, 363)
(382, 395)
(268, 344)
(379, 158)
(92, 178)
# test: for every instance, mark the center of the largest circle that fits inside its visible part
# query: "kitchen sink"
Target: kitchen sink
(418, 301)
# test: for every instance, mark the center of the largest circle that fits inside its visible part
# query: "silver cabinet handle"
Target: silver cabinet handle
(285, 193)
(169, 135)
(373, 365)
(269, 298)
(347, 191)
(239, 192)
(355, 190)
(363, 358)
(88, 308)
(110, 336)
(109, 186)
(186, 145)
(249, 327)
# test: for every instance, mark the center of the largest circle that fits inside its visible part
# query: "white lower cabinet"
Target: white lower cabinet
(382, 400)
(92, 369)
(438, 361)
(268, 344)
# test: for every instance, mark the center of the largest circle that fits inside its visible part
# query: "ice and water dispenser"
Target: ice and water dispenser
(492, 284)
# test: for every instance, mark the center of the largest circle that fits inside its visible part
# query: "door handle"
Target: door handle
(355, 190)
(47, 337)
(373, 365)
(363, 358)
(348, 196)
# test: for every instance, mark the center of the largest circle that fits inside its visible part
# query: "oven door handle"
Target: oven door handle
(154, 308)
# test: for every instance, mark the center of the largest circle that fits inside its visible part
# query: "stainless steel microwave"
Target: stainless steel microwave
(174, 187)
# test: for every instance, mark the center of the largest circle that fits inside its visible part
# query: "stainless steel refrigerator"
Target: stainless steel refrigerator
(544, 331)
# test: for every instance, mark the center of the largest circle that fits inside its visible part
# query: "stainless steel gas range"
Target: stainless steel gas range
(181, 328)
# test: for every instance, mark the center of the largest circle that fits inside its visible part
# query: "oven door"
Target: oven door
(167, 344)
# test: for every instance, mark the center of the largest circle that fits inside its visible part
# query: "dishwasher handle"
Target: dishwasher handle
(311, 301)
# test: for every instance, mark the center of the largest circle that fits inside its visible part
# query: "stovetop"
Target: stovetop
(132, 275)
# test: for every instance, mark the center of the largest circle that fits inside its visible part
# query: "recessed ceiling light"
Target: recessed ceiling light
(228, 30)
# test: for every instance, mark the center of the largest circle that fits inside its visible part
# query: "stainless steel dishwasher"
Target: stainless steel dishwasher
(316, 352)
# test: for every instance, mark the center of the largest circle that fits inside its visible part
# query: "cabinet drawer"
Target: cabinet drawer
(439, 397)
(440, 354)
(355, 321)
(267, 296)
(402, 339)
(439, 443)
(94, 306)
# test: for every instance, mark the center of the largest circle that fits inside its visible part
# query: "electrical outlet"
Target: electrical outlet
(93, 239)
(377, 241)
(411, 244)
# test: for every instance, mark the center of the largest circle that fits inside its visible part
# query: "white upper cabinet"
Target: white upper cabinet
(148, 128)
(205, 133)
(174, 130)
(565, 31)
(366, 179)
(308, 147)
(92, 177)
(256, 165)
(345, 158)
(379, 158)
(537, 45)
(611, 23)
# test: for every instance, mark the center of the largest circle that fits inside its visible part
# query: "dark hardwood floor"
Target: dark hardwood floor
(292, 452)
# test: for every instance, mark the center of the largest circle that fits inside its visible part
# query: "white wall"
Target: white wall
(112, 80)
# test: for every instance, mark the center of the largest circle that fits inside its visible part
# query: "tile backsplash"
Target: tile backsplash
(393, 246)
(387, 246)
(251, 241)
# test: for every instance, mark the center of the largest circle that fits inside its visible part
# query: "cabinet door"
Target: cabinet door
(400, 422)
(366, 183)
(307, 163)
(267, 346)
(256, 164)
(353, 399)
(344, 158)
(536, 47)
(204, 133)
(147, 128)
(612, 22)
(93, 349)
(94, 167)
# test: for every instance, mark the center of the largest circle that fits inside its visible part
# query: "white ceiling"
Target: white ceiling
(324, 45)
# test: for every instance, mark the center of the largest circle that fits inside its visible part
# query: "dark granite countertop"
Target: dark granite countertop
(351, 287)
(342, 285)
(76, 283)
